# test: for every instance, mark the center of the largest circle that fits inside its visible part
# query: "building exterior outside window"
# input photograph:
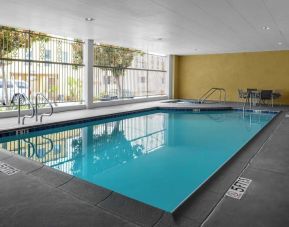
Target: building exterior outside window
(54, 66)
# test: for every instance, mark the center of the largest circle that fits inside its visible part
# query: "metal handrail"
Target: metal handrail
(36, 105)
(249, 99)
(22, 96)
(245, 103)
(211, 91)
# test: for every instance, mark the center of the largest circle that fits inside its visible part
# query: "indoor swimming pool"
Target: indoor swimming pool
(158, 157)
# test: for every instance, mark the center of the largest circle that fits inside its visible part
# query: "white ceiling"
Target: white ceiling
(185, 26)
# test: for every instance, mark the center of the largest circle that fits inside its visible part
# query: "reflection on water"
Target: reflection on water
(103, 145)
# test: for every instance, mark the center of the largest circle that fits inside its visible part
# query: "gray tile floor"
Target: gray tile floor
(39, 196)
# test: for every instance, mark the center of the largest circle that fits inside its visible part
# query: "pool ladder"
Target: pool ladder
(247, 101)
(22, 98)
(210, 92)
(36, 105)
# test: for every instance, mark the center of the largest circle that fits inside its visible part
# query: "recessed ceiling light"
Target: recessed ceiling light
(89, 19)
(280, 43)
(266, 28)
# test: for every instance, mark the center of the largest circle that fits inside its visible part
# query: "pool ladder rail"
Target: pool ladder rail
(210, 92)
(247, 101)
(22, 98)
(36, 105)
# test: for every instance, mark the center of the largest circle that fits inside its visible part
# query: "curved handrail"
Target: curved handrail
(245, 103)
(22, 96)
(211, 91)
(30, 104)
(36, 105)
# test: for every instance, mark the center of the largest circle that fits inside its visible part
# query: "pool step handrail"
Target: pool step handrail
(36, 106)
(211, 91)
(248, 101)
(245, 103)
(24, 98)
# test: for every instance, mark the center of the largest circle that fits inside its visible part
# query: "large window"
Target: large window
(32, 62)
(35, 62)
(126, 73)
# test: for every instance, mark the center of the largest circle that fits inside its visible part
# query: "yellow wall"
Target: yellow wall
(262, 70)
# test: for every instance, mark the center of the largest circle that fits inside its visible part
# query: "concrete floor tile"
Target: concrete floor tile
(199, 206)
(4, 155)
(25, 201)
(275, 156)
(266, 184)
(277, 162)
(265, 203)
(221, 181)
(132, 210)
(51, 176)
(23, 164)
(168, 220)
(86, 191)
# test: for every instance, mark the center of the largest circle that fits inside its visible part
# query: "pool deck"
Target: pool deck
(41, 196)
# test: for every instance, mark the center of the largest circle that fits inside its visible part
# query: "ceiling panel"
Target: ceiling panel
(185, 26)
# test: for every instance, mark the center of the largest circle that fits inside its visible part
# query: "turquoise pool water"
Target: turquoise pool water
(157, 157)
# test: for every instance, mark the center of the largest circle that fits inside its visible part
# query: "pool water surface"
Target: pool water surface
(157, 157)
